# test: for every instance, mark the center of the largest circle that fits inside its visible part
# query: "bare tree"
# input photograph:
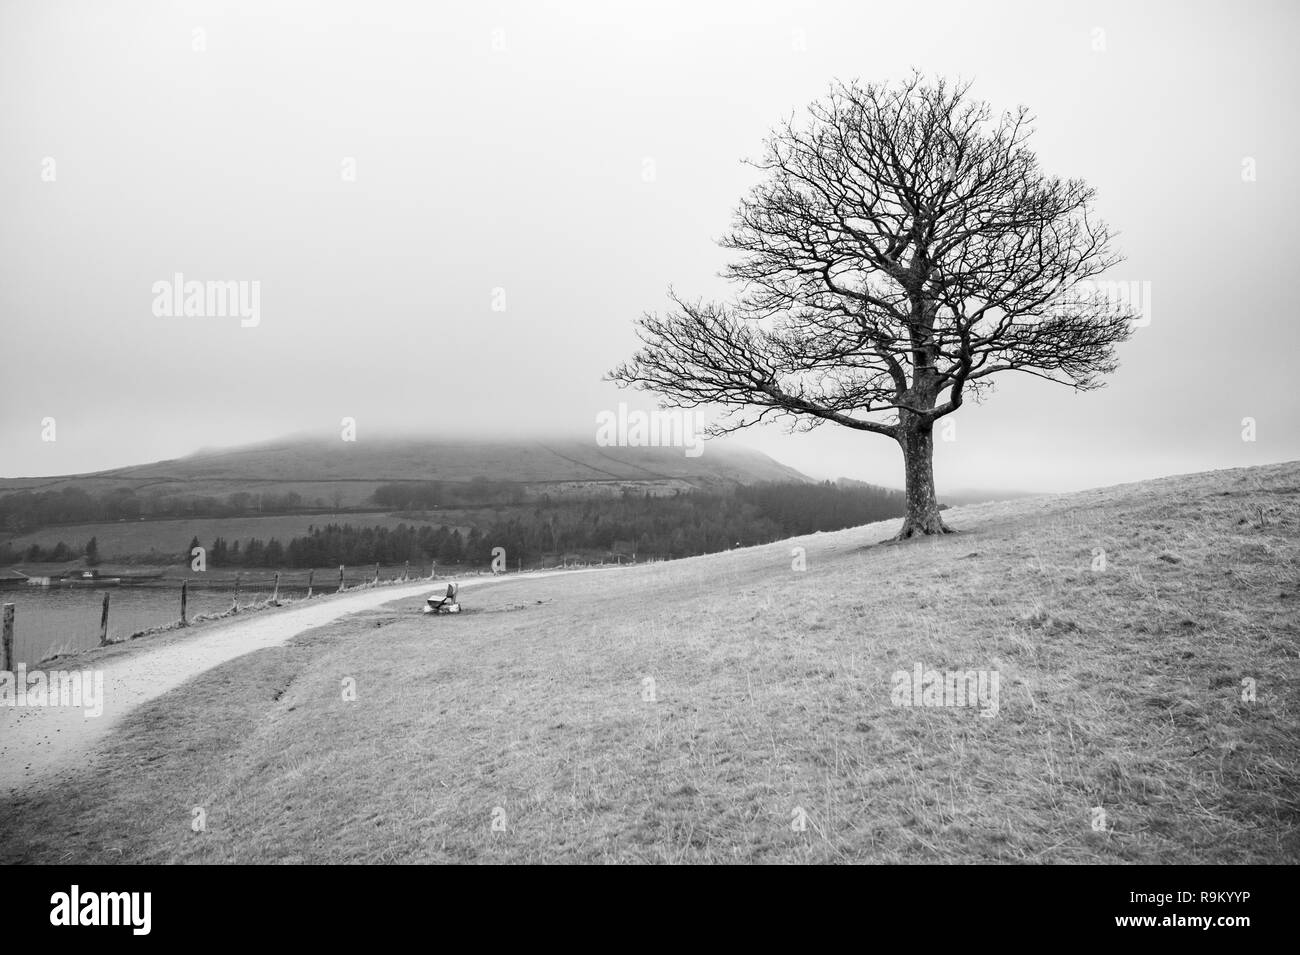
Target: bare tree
(902, 248)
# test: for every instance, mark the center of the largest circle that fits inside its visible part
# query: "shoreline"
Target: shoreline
(38, 743)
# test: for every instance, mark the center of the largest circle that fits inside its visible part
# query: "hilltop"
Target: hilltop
(743, 707)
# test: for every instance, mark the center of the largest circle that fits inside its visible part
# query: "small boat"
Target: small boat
(91, 578)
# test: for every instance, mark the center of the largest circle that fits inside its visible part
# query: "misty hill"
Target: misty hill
(960, 497)
(307, 504)
(346, 474)
(955, 498)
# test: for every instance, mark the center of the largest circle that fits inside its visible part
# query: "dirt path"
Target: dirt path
(37, 741)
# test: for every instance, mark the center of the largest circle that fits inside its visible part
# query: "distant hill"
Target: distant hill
(338, 473)
(956, 498)
(854, 482)
(964, 496)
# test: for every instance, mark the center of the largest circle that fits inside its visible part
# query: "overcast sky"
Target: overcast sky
(582, 159)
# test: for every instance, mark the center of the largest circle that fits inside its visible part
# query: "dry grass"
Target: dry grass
(1120, 689)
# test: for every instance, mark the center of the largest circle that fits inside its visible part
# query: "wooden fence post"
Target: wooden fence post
(185, 587)
(406, 571)
(275, 595)
(340, 578)
(433, 570)
(7, 640)
(310, 575)
(235, 603)
(103, 623)
(376, 572)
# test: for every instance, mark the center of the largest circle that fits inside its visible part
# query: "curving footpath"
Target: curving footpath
(37, 741)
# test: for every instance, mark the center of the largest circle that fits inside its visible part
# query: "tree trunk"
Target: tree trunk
(923, 516)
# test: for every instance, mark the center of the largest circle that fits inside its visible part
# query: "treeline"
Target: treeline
(808, 508)
(647, 526)
(24, 511)
(336, 544)
(58, 554)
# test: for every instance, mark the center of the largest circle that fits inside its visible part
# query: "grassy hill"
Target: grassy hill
(345, 474)
(1123, 730)
(336, 481)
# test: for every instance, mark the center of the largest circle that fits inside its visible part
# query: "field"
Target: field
(736, 708)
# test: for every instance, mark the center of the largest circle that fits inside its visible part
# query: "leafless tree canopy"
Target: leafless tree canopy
(902, 248)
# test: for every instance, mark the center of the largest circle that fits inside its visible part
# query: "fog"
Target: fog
(454, 215)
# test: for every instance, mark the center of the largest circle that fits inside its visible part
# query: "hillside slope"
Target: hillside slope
(346, 473)
(737, 708)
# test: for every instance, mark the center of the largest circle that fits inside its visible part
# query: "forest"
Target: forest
(643, 526)
(24, 511)
(633, 525)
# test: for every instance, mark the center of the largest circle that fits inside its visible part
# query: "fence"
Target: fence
(42, 621)
(55, 619)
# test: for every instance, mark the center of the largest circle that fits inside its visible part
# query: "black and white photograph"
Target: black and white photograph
(692, 433)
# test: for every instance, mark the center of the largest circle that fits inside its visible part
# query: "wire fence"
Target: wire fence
(66, 615)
